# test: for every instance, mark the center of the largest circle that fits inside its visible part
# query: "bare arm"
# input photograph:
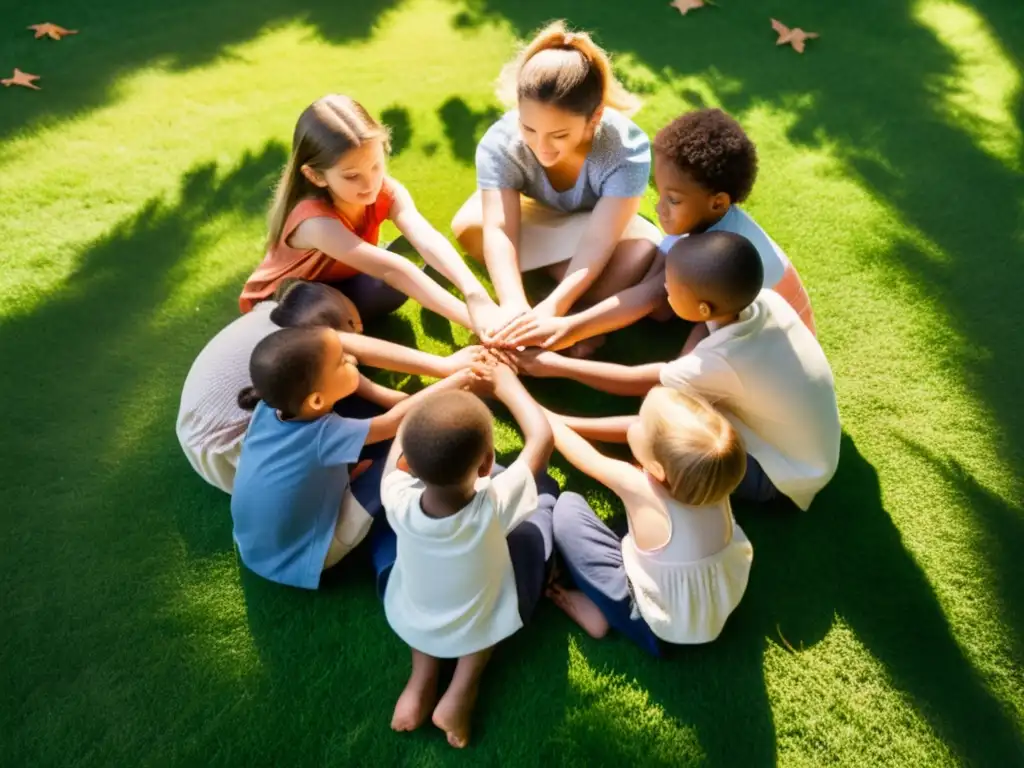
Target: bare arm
(385, 426)
(604, 230)
(431, 244)
(626, 380)
(537, 439)
(331, 237)
(378, 353)
(385, 397)
(605, 429)
(647, 520)
(501, 219)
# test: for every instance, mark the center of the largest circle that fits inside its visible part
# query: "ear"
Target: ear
(487, 465)
(595, 119)
(314, 401)
(706, 309)
(314, 177)
(655, 470)
(720, 202)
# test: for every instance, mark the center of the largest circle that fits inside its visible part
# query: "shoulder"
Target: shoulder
(620, 138)
(393, 198)
(397, 491)
(310, 217)
(502, 132)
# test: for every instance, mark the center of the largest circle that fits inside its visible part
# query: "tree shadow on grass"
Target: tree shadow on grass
(844, 558)
(464, 126)
(116, 38)
(109, 649)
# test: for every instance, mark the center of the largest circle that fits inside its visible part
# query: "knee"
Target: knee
(469, 232)
(568, 512)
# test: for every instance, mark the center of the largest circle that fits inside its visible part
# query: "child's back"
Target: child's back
(452, 590)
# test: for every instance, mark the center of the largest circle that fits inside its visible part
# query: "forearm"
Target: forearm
(615, 379)
(503, 267)
(538, 441)
(385, 397)
(615, 312)
(385, 426)
(378, 353)
(606, 429)
(413, 283)
(440, 254)
(582, 272)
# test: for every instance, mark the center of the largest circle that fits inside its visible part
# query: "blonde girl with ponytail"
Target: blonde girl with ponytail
(560, 178)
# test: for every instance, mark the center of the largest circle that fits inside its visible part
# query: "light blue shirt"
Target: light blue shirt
(291, 478)
(618, 164)
(738, 221)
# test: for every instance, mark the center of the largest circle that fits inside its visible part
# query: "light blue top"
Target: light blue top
(740, 222)
(291, 478)
(618, 165)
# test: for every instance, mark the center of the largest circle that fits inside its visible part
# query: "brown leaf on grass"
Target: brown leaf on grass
(53, 31)
(23, 79)
(685, 6)
(795, 37)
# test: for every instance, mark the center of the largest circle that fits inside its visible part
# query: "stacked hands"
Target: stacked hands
(515, 326)
(481, 368)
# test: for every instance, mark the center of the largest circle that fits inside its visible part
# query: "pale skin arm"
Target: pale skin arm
(501, 220)
(331, 237)
(604, 429)
(378, 353)
(607, 223)
(626, 380)
(647, 520)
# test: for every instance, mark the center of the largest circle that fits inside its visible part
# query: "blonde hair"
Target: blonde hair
(567, 70)
(326, 130)
(702, 455)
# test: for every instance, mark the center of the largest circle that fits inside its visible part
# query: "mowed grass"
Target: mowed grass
(883, 627)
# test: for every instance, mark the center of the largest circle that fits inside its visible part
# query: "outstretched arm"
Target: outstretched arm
(331, 237)
(537, 440)
(379, 353)
(627, 380)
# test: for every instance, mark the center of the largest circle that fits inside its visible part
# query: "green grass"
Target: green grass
(884, 627)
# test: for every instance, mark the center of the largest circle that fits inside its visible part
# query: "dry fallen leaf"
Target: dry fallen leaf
(21, 78)
(683, 6)
(795, 36)
(52, 30)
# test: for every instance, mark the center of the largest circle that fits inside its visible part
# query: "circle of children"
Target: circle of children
(318, 458)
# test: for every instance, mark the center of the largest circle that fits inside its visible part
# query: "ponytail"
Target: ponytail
(248, 399)
(567, 70)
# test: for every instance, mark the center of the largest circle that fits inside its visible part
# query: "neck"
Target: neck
(352, 212)
(706, 225)
(445, 500)
(724, 320)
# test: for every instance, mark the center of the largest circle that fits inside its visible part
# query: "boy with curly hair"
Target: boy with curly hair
(704, 166)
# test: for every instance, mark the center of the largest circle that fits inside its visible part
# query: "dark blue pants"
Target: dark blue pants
(592, 554)
(755, 485)
(366, 487)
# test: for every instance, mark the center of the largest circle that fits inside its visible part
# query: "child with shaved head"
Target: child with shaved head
(473, 552)
(759, 364)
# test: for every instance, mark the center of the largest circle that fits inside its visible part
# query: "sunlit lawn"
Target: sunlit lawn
(883, 627)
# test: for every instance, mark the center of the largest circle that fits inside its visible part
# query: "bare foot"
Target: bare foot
(580, 609)
(453, 714)
(420, 693)
(584, 349)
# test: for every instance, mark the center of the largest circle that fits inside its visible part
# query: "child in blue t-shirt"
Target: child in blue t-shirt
(292, 510)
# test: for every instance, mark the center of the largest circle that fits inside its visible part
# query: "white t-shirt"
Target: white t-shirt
(770, 378)
(682, 599)
(452, 591)
(210, 424)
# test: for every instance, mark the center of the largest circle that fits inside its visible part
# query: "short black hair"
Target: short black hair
(445, 437)
(711, 148)
(283, 368)
(722, 268)
(305, 303)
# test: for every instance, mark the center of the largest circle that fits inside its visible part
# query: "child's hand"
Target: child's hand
(464, 358)
(536, 363)
(504, 378)
(478, 378)
(533, 330)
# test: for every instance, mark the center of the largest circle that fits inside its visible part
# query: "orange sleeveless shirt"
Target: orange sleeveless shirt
(282, 261)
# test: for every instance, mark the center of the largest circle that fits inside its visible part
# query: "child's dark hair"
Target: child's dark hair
(721, 268)
(446, 436)
(284, 368)
(710, 147)
(567, 70)
(302, 303)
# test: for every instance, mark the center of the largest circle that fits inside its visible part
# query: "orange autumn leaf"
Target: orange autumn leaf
(795, 37)
(23, 79)
(53, 31)
(684, 6)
